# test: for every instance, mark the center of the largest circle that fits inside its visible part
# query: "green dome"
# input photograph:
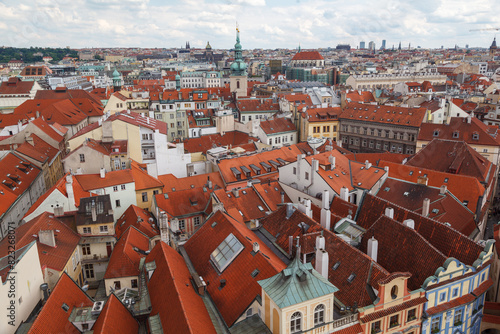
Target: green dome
(116, 74)
(177, 77)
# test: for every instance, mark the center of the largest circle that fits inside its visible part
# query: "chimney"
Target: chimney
(372, 248)
(443, 189)
(289, 210)
(469, 119)
(282, 193)
(344, 194)
(422, 180)
(410, 223)
(331, 160)
(69, 191)
(389, 212)
(217, 207)
(305, 207)
(314, 166)
(386, 168)
(163, 222)
(325, 200)
(367, 164)
(236, 192)
(47, 237)
(58, 211)
(255, 247)
(103, 173)
(425, 207)
(94, 212)
(321, 257)
(209, 182)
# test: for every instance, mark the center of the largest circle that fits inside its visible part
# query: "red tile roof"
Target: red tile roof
(171, 182)
(142, 179)
(257, 105)
(64, 93)
(17, 176)
(398, 116)
(15, 86)
(95, 181)
(270, 193)
(45, 127)
(141, 219)
(400, 307)
(360, 96)
(240, 288)
(173, 297)
(115, 319)
(277, 125)
(375, 158)
(323, 114)
(51, 257)
(247, 202)
(447, 240)
(459, 130)
(184, 202)
(124, 260)
(207, 142)
(53, 316)
(308, 55)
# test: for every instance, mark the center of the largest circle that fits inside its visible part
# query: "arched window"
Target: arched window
(296, 322)
(319, 314)
(394, 292)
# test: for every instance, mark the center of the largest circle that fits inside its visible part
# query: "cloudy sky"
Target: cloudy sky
(263, 23)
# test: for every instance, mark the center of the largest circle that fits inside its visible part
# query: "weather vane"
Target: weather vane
(237, 28)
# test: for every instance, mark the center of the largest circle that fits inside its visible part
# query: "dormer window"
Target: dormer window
(475, 136)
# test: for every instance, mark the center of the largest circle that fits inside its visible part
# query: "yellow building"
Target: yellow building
(320, 123)
(146, 186)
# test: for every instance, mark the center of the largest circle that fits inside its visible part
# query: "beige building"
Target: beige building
(376, 81)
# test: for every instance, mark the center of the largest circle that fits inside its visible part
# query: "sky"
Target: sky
(266, 24)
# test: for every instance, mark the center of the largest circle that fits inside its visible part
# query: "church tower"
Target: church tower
(117, 82)
(238, 80)
(493, 47)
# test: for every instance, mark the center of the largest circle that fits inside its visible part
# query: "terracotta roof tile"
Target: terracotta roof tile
(53, 316)
(95, 181)
(412, 117)
(184, 202)
(115, 318)
(277, 125)
(138, 218)
(240, 288)
(385, 312)
(171, 182)
(308, 55)
(207, 142)
(173, 297)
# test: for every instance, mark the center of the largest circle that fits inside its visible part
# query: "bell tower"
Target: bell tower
(238, 79)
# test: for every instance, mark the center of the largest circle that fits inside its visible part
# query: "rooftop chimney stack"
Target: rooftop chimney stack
(282, 193)
(289, 210)
(372, 248)
(344, 194)
(389, 212)
(255, 247)
(331, 160)
(163, 222)
(70, 192)
(321, 257)
(409, 223)
(236, 192)
(94, 212)
(443, 189)
(425, 207)
(103, 173)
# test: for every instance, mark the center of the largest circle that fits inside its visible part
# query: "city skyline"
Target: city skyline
(263, 23)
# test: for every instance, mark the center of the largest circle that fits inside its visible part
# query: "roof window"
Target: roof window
(226, 252)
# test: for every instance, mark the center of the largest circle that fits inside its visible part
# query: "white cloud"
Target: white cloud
(263, 24)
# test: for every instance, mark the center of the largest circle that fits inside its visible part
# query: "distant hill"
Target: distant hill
(32, 55)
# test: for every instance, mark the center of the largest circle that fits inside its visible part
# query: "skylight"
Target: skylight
(351, 277)
(226, 252)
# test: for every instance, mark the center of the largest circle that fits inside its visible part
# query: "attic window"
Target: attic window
(475, 136)
(260, 208)
(336, 265)
(246, 171)
(274, 163)
(255, 273)
(256, 169)
(435, 211)
(446, 180)
(266, 166)
(387, 189)
(411, 172)
(226, 252)
(351, 277)
(466, 203)
(65, 307)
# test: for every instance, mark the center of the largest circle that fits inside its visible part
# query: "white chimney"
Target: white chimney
(314, 166)
(236, 192)
(70, 192)
(103, 173)
(331, 160)
(372, 248)
(367, 164)
(93, 209)
(425, 207)
(344, 194)
(326, 199)
(163, 222)
(389, 212)
(469, 119)
(410, 223)
(326, 216)
(255, 247)
(443, 189)
(47, 237)
(322, 259)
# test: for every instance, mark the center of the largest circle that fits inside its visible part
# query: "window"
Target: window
(89, 270)
(115, 188)
(117, 285)
(296, 322)
(442, 297)
(117, 203)
(435, 325)
(226, 252)
(196, 221)
(319, 314)
(86, 249)
(82, 157)
(457, 319)
(249, 312)
(394, 321)
(133, 283)
(412, 314)
(394, 292)
(455, 292)
(294, 170)
(124, 165)
(103, 229)
(376, 327)
(307, 176)
(144, 196)
(182, 224)
(123, 187)
(87, 230)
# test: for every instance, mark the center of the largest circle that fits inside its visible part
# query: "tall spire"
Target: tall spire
(299, 46)
(239, 66)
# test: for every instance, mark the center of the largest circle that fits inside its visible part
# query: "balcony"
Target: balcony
(94, 259)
